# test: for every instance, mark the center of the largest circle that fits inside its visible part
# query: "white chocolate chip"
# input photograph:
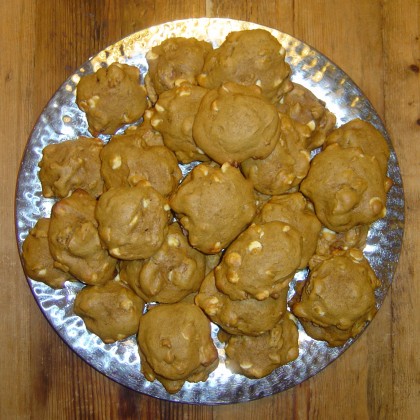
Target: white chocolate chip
(254, 245)
(42, 272)
(286, 228)
(245, 365)
(166, 207)
(93, 101)
(311, 124)
(115, 251)
(145, 202)
(173, 241)
(155, 122)
(262, 295)
(116, 162)
(258, 83)
(151, 55)
(159, 108)
(225, 167)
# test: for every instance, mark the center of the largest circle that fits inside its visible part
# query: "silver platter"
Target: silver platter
(62, 120)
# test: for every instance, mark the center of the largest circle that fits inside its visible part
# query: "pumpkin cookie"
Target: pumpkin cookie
(338, 298)
(347, 188)
(359, 133)
(256, 357)
(285, 167)
(173, 62)
(305, 108)
(74, 240)
(127, 160)
(37, 259)
(296, 211)
(133, 221)
(175, 345)
(249, 316)
(70, 165)
(172, 273)
(214, 204)
(250, 57)
(111, 98)
(174, 115)
(111, 311)
(261, 262)
(235, 123)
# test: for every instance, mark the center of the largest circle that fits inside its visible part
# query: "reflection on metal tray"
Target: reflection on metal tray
(62, 120)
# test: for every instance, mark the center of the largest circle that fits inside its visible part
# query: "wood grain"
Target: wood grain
(376, 42)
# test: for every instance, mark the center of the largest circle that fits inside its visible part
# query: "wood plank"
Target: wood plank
(402, 115)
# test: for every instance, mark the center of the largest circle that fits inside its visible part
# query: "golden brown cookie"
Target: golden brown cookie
(296, 211)
(235, 123)
(359, 133)
(175, 345)
(250, 57)
(37, 259)
(74, 240)
(347, 188)
(133, 221)
(304, 107)
(285, 167)
(111, 98)
(70, 165)
(174, 115)
(261, 262)
(111, 311)
(256, 357)
(127, 160)
(172, 273)
(214, 204)
(173, 62)
(249, 316)
(339, 294)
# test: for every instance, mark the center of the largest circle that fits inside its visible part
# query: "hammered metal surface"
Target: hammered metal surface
(62, 120)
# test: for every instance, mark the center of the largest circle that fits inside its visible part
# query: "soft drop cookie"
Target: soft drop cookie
(172, 273)
(338, 295)
(70, 165)
(127, 160)
(175, 61)
(305, 108)
(133, 221)
(256, 357)
(296, 211)
(243, 317)
(174, 115)
(111, 311)
(74, 241)
(359, 133)
(111, 98)
(235, 123)
(175, 345)
(214, 204)
(286, 166)
(37, 260)
(261, 262)
(347, 188)
(250, 57)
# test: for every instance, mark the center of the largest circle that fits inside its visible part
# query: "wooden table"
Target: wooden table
(376, 42)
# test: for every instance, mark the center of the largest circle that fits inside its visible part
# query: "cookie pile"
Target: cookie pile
(162, 255)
